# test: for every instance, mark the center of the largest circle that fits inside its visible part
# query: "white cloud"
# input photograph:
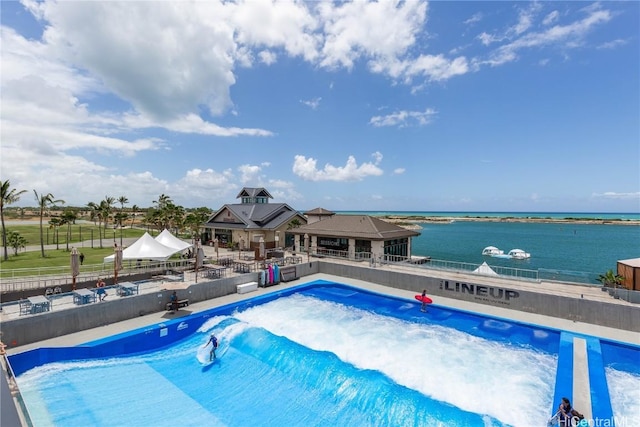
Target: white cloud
(551, 18)
(276, 24)
(267, 57)
(249, 173)
(307, 170)
(399, 171)
(613, 44)
(567, 36)
(381, 31)
(525, 19)
(404, 118)
(476, 17)
(312, 103)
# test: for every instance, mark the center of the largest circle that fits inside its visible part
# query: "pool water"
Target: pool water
(316, 355)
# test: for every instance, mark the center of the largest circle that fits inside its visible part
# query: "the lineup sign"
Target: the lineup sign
(481, 292)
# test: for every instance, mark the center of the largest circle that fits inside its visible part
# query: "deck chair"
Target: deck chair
(57, 290)
(48, 291)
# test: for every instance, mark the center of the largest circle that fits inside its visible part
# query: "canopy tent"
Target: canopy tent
(485, 269)
(146, 247)
(168, 239)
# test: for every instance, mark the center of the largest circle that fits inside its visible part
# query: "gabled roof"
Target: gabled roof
(319, 211)
(253, 216)
(355, 226)
(253, 192)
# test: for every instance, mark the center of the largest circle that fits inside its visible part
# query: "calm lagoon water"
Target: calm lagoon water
(571, 247)
(590, 248)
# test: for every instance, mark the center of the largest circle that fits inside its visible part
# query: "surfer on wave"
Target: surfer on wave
(214, 345)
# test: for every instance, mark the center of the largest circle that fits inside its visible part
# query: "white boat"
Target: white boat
(492, 251)
(519, 254)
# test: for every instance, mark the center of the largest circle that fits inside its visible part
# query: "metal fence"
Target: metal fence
(549, 275)
(51, 277)
(40, 278)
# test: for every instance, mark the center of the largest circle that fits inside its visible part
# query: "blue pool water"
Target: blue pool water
(318, 354)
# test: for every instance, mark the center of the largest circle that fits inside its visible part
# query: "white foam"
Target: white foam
(472, 373)
(624, 390)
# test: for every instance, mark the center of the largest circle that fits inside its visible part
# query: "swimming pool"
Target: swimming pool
(317, 354)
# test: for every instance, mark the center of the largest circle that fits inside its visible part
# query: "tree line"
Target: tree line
(164, 213)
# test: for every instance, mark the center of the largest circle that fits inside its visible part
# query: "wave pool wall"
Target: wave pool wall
(168, 332)
(494, 291)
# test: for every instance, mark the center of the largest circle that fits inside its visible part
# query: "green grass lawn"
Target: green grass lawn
(60, 259)
(54, 258)
(79, 233)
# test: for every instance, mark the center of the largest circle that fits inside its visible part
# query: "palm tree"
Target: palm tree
(610, 279)
(134, 209)
(54, 223)
(44, 201)
(68, 217)
(123, 201)
(96, 214)
(294, 223)
(8, 196)
(107, 205)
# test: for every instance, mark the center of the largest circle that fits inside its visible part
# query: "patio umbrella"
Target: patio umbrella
(262, 248)
(75, 266)
(117, 262)
(306, 245)
(241, 245)
(199, 259)
(215, 246)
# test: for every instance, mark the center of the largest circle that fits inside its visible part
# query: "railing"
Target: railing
(464, 267)
(40, 278)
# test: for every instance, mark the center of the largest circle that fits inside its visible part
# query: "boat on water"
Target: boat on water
(519, 254)
(494, 252)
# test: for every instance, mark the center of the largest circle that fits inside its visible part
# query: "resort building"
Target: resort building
(254, 221)
(355, 237)
(319, 232)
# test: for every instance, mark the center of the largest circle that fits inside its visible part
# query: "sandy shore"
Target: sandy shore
(414, 221)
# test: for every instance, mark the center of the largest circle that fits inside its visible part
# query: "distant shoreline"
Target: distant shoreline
(417, 219)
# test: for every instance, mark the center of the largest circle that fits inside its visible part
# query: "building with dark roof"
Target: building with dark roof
(318, 214)
(318, 232)
(244, 225)
(354, 237)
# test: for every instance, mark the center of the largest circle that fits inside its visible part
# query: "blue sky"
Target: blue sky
(425, 106)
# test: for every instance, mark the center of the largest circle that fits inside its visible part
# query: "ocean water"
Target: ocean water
(589, 248)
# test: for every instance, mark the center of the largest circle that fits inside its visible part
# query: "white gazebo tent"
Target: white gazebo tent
(168, 239)
(147, 248)
(485, 269)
